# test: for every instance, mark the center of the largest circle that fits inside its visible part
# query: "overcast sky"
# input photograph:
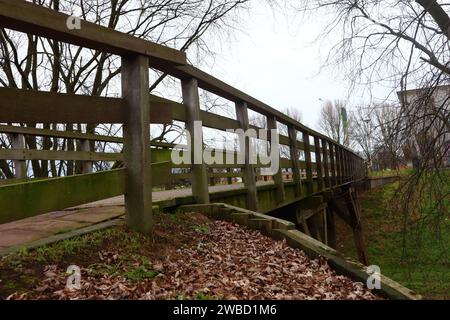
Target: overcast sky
(275, 59)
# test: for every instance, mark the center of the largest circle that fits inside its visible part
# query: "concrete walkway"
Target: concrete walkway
(21, 232)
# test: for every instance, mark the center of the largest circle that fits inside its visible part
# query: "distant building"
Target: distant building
(427, 129)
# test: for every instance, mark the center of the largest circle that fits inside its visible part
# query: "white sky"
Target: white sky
(276, 60)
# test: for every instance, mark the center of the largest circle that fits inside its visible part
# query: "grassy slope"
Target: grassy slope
(426, 268)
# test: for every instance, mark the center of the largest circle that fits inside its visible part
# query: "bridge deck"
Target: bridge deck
(23, 231)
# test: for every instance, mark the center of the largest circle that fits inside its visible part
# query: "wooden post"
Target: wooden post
(277, 177)
(339, 165)
(199, 173)
(332, 163)
(212, 180)
(318, 163)
(86, 166)
(326, 166)
(358, 234)
(20, 166)
(345, 165)
(309, 174)
(295, 160)
(248, 169)
(229, 179)
(136, 148)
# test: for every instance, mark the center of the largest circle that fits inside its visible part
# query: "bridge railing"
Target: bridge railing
(334, 163)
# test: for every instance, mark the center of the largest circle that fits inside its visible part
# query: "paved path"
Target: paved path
(20, 232)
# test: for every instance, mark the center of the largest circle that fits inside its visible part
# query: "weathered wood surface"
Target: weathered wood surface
(31, 106)
(34, 19)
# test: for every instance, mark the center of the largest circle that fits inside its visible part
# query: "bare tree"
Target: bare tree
(34, 63)
(400, 44)
(334, 122)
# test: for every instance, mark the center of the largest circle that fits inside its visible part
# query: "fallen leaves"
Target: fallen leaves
(228, 261)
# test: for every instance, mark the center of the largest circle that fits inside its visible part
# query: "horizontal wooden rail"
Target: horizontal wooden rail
(30, 154)
(22, 200)
(58, 134)
(19, 106)
(34, 19)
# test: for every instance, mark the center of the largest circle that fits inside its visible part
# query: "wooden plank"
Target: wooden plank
(309, 174)
(278, 176)
(215, 121)
(320, 181)
(31, 154)
(295, 161)
(58, 134)
(34, 19)
(31, 106)
(249, 169)
(136, 147)
(27, 199)
(86, 166)
(326, 166)
(332, 163)
(198, 168)
(20, 166)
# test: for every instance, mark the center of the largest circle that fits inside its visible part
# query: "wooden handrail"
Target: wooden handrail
(35, 19)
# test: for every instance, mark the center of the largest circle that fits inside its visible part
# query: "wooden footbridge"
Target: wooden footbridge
(311, 195)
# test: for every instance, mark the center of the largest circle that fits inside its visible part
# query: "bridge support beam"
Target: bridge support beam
(136, 134)
(198, 167)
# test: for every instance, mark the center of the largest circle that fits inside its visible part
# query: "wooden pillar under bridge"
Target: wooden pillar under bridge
(331, 228)
(198, 170)
(136, 148)
(346, 206)
(248, 169)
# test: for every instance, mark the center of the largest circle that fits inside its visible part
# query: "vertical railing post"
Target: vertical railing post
(309, 173)
(326, 165)
(332, 163)
(198, 166)
(86, 166)
(338, 164)
(347, 165)
(278, 176)
(136, 149)
(318, 163)
(295, 160)
(248, 169)
(20, 166)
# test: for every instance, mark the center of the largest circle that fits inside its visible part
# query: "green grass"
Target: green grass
(423, 264)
